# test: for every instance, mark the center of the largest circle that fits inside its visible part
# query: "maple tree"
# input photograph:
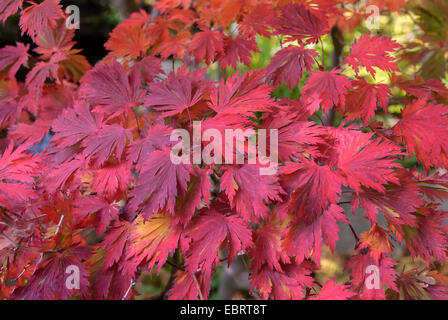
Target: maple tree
(104, 195)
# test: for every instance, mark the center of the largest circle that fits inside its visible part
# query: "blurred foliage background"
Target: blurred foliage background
(422, 30)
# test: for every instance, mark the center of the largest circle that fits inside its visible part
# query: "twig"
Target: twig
(354, 233)
(59, 225)
(23, 271)
(129, 289)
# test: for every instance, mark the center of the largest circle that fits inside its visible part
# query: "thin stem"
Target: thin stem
(354, 233)
(129, 289)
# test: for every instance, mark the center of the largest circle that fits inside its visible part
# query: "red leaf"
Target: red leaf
(153, 240)
(196, 195)
(74, 125)
(107, 141)
(111, 178)
(398, 202)
(9, 7)
(14, 57)
(208, 231)
(40, 15)
(287, 285)
(304, 240)
(326, 89)
(334, 291)
(372, 52)
(250, 203)
(289, 64)
(157, 138)
(159, 184)
(241, 94)
(103, 212)
(111, 87)
(236, 50)
(49, 280)
(312, 188)
(424, 129)
(363, 101)
(206, 45)
(178, 92)
(298, 23)
(187, 286)
(267, 250)
(358, 154)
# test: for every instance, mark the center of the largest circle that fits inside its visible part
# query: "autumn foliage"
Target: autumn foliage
(104, 195)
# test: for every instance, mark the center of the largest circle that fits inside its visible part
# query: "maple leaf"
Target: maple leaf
(14, 57)
(149, 68)
(398, 202)
(8, 115)
(289, 64)
(206, 44)
(287, 285)
(101, 211)
(334, 291)
(241, 94)
(111, 87)
(250, 203)
(159, 183)
(358, 153)
(421, 282)
(55, 39)
(311, 188)
(9, 7)
(428, 239)
(208, 231)
(196, 195)
(74, 125)
(107, 141)
(153, 240)
(294, 134)
(35, 79)
(129, 40)
(189, 287)
(267, 249)
(64, 176)
(110, 274)
(258, 20)
(111, 178)
(17, 172)
(175, 46)
(423, 121)
(418, 87)
(178, 92)
(325, 88)
(377, 241)
(362, 102)
(372, 52)
(298, 23)
(157, 138)
(304, 239)
(39, 15)
(235, 50)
